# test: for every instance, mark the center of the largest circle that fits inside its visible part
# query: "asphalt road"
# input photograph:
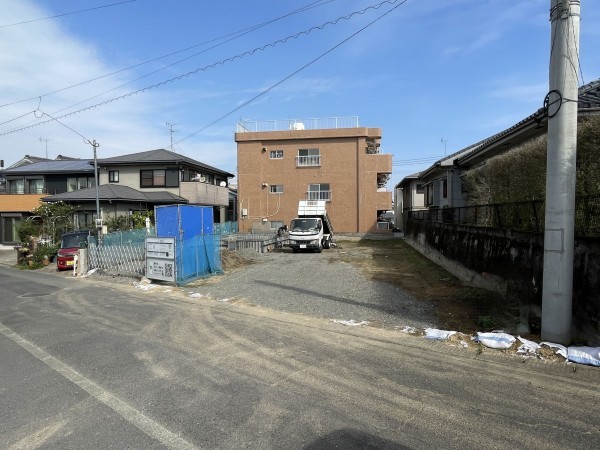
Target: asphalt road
(89, 364)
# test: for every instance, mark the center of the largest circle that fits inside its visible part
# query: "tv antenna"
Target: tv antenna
(171, 125)
(444, 141)
(42, 139)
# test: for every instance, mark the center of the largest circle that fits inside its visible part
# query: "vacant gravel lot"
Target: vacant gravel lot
(317, 285)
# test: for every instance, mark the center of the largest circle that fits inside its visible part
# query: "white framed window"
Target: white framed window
(308, 157)
(276, 154)
(276, 189)
(320, 191)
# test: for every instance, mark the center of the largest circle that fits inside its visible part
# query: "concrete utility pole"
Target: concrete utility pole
(99, 224)
(561, 104)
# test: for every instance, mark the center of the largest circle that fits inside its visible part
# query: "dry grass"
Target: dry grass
(459, 307)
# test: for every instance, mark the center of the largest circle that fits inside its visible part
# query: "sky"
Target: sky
(435, 75)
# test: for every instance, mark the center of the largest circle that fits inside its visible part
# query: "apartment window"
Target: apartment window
(77, 183)
(113, 176)
(308, 157)
(276, 154)
(320, 191)
(276, 189)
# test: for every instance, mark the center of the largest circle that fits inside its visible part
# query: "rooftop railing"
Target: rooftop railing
(249, 126)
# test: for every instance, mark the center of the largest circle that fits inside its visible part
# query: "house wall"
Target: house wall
(512, 264)
(13, 210)
(345, 166)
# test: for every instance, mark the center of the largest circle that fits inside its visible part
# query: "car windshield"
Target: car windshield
(73, 240)
(304, 225)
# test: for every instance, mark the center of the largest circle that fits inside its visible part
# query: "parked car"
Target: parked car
(70, 243)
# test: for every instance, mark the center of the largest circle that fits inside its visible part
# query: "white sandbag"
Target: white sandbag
(584, 355)
(558, 348)
(496, 340)
(434, 333)
(527, 347)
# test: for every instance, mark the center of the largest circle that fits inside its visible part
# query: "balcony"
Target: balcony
(204, 193)
(383, 201)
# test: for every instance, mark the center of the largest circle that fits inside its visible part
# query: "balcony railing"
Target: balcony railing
(247, 126)
(308, 161)
(319, 195)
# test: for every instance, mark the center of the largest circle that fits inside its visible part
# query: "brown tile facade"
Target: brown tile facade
(276, 169)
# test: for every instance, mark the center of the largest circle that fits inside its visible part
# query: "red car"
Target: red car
(70, 243)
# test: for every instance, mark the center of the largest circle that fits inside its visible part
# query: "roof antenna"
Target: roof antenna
(171, 125)
(443, 141)
(42, 139)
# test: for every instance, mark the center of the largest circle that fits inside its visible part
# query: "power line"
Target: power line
(273, 86)
(224, 61)
(65, 14)
(235, 34)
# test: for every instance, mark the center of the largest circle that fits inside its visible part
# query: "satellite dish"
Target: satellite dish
(222, 184)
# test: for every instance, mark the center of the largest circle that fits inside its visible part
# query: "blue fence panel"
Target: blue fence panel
(198, 256)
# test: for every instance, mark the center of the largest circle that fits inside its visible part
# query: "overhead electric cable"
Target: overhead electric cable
(222, 62)
(273, 86)
(236, 35)
(65, 14)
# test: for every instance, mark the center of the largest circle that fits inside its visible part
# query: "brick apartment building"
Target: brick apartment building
(334, 159)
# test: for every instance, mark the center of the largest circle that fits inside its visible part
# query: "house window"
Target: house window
(276, 154)
(113, 176)
(77, 183)
(320, 191)
(10, 227)
(159, 178)
(420, 188)
(444, 188)
(276, 189)
(308, 157)
(429, 194)
(16, 186)
(36, 186)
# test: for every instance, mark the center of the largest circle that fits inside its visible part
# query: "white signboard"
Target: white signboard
(160, 258)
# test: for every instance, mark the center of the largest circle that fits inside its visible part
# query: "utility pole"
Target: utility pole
(99, 224)
(559, 235)
(171, 125)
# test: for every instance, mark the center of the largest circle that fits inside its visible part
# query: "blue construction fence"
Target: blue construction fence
(198, 256)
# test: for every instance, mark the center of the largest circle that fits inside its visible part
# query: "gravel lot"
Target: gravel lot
(317, 285)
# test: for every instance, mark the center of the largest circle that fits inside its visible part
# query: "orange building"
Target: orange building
(282, 162)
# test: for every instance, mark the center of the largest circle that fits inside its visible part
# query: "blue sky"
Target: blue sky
(435, 75)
